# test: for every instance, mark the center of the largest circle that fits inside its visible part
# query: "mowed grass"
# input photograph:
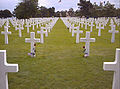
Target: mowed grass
(59, 62)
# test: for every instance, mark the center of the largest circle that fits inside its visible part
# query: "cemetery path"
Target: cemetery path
(60, 42)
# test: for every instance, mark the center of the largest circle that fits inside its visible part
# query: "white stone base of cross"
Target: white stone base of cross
(114, 66)
(4, 69)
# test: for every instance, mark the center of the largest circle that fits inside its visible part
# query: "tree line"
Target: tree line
(30, 9)
(105, 9)
(5, 14)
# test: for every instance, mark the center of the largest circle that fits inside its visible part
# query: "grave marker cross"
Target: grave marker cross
(4, 69)
(77, 34)
(42, 32)
(32, 40)
(91, 26)
(99, 27)
(6, 32)
(19, 28)
(113, 31)
(114, 66)
(87, 41)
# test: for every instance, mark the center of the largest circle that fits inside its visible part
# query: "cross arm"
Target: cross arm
(2, 32)
(39, 32)
(11, 67)
(37, 40)
(82, 39)
(92, 39)
(10, 32)
(27, 40)
(81, 31)
(110, 66)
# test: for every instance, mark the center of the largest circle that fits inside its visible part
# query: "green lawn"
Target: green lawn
(59, 63)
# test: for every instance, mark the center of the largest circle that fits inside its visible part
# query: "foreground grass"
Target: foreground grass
(59, 63)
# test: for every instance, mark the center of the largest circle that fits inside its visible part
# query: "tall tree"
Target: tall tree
(26, 9)
(71, 12)
(51, 11)
(85, 7)
(5, 13)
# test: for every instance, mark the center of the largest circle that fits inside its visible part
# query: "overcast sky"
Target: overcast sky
(63, 5)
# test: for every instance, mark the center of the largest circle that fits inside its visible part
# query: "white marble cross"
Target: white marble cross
(4, 69)
(27, 25)
(42, 32)
(87, 41)
(113, 31)
(7, 23)
(99, 27)
(77, 34)
(45, 31)
(86, 23)
(37, 23)
(32, 40)
(19, 28)
(48, 27)
(33, 25)
(114, 66)
(82, 24)
(91, 26)
(6, 32)
(71, 27)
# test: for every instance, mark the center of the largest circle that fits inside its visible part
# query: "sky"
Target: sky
(63, 5)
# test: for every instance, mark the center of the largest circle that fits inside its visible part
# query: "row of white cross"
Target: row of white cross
(69, 22)
(48, 28)
(5, 68)
(87, 39)
(34, 40)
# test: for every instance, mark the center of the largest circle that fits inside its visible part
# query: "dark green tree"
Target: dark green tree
(63, 13)
(85, 8)
(46, 12)
(71, 12)
(57, 14)
(51, 11)
(107, 10)
(5, 14)
(43, 11)
(26, 9)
